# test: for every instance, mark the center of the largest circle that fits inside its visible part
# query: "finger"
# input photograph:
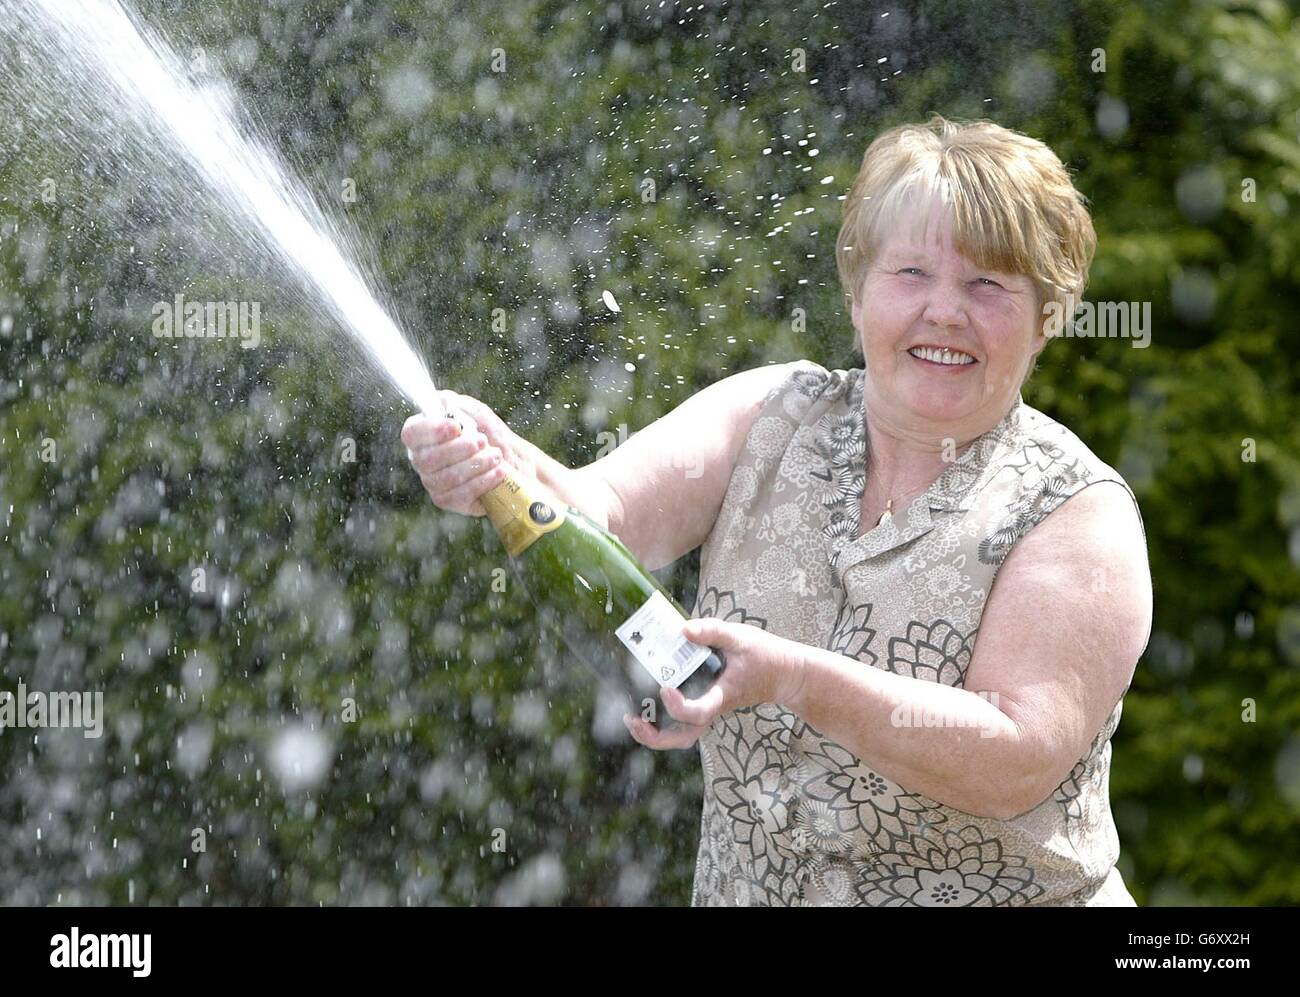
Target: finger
(431, 459)
(699, 712)
(644, 732)
(453, 411)
(425, 429)
(463, 497)
(440, 482)
(641, 733)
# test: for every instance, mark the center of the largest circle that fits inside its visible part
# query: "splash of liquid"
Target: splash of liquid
(115, 59)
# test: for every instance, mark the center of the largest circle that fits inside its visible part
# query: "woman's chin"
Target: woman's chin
(942, 399)
(941, 405)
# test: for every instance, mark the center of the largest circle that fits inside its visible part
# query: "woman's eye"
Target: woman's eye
(987, 281)
(910, 270)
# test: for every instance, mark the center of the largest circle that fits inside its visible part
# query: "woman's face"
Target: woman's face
(920, 292)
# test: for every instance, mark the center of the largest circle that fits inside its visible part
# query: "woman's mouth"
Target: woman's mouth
(942, 356)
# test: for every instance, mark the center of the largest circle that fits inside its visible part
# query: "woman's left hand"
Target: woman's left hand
(761, 668)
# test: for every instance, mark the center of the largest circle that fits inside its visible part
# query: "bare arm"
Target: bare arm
(1065, 623)
(661, 490)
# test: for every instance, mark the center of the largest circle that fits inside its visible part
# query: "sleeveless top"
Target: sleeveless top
(790, 817)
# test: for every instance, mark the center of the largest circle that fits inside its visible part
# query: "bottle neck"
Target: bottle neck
(522, 509)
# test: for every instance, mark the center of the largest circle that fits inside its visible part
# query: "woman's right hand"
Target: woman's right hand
(455, 467)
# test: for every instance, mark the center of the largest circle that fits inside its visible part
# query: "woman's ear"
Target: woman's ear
(855, 304)
(1035, 348)
(1039, 342)
(855, 310)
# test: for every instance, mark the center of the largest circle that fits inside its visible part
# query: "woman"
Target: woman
(859, 528)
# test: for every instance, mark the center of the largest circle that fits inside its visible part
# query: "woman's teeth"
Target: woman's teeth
(945, 356)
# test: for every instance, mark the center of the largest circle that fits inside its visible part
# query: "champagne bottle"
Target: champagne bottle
(613, 614)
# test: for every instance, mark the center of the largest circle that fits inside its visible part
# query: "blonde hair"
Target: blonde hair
(1014, 206)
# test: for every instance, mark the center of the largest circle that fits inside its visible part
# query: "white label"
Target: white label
(654, 636)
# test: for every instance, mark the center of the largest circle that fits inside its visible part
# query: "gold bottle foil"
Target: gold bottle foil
(521, 510)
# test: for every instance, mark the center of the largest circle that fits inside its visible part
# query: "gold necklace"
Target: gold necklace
(888, 513)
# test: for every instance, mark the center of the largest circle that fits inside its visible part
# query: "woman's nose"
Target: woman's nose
(946, 306)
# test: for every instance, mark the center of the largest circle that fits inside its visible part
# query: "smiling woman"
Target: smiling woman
(954, 238)
(860, 529)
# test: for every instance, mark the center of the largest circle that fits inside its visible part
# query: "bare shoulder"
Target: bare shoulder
(714, 421)
(1099, 523)
(666, 483)
(747, 391)
(741, 397)
(1091, 553)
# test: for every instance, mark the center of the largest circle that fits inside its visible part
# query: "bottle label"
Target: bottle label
(521, 512)
(654, 636)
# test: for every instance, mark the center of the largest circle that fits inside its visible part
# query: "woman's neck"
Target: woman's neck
(904, 459)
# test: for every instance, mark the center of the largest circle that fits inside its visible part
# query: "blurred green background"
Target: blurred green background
(482, 766)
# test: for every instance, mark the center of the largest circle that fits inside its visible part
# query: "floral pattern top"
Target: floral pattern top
(790, 817)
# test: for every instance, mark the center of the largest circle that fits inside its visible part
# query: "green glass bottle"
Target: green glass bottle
(613, 614)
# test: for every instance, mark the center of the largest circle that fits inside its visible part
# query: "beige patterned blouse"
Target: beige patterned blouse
(790, 817)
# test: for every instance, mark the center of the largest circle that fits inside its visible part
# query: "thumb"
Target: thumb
(489, 423)
(709, 631)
